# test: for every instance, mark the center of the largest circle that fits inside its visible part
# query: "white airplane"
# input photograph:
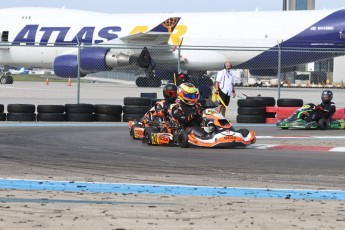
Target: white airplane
(47, 37)
(17, 71)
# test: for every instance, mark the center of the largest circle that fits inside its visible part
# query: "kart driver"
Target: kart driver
(325, 109)
(187, 111)
(161, 110)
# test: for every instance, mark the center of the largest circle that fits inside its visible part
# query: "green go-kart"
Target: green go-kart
(297, 120)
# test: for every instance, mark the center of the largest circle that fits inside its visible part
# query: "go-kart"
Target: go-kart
(138, 129)
(298, 120)
(219, 133)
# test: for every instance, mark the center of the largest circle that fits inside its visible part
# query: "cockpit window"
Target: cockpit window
(4, 36)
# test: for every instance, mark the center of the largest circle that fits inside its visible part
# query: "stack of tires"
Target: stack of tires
(80, 112)
(135, 107)
(269, 101)
(51, 113)
(251, 111)
(289, 102)
(108, 113)
(2, 114)
(21, 112)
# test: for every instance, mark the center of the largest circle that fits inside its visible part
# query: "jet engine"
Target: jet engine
(92, 60)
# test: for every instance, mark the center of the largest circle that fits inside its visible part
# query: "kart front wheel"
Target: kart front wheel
(244, 132)
(147, 136)
(131, 132)
(323, 124)
(182, 139)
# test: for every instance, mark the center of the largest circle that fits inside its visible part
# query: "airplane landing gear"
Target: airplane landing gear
(145, 61)
(6, 79)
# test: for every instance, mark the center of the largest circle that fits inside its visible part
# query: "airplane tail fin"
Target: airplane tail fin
(158, 35)
(167, 26)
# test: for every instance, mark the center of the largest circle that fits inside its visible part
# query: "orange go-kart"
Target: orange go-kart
(220, 133)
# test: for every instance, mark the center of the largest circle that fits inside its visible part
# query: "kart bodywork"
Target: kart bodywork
(220, 133)
(297, 121)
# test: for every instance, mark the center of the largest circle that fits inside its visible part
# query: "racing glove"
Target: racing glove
(318, 107)
(193, 116)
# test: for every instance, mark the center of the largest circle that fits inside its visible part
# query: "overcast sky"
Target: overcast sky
(158, 6)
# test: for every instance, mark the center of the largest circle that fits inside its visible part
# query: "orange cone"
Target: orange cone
(69, 82)
(47, 81)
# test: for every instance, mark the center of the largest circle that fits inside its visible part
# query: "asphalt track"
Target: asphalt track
(73, 152)
(52, 166)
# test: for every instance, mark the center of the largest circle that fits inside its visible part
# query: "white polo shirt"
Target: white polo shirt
(225, 80)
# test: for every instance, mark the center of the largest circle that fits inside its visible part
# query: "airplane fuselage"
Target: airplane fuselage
(36, 36)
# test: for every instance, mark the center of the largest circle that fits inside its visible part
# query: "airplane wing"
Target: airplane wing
(157, 36)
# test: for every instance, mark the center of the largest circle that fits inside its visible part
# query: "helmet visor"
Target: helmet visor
(190, 95)
(172, 93)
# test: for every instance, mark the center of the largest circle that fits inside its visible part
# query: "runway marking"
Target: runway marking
(178, 190)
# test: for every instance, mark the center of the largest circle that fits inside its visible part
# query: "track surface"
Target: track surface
(105, 153)
(109, 154)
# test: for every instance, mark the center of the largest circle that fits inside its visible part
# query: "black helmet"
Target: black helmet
(326, 96)
(170, 92)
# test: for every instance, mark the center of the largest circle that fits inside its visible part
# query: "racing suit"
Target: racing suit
(322, 111)
(160, 111)
(189, 117)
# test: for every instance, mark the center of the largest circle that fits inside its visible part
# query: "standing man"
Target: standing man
(224, 86)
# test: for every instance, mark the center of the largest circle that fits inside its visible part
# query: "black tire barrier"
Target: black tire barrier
(137, 101)
(50, 109)
(251, 110)
(21, 116)
(250, 103)
(251, 119)
(271, 115)
(67, 112)
(289, 102)
(108, 109)
(154, 101)
(108, 117)
(79, 108)
(3, 116)
(80, 117)
(51, 117)
(136, 109)
(149, 95)
(269, 101)
(127, 117)
(21, 108)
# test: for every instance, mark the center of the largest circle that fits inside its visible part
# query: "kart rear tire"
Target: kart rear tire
(323, 124)
(182, 139)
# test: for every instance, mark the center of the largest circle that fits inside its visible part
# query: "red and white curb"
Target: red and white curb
(300, 137)
(296, 147)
